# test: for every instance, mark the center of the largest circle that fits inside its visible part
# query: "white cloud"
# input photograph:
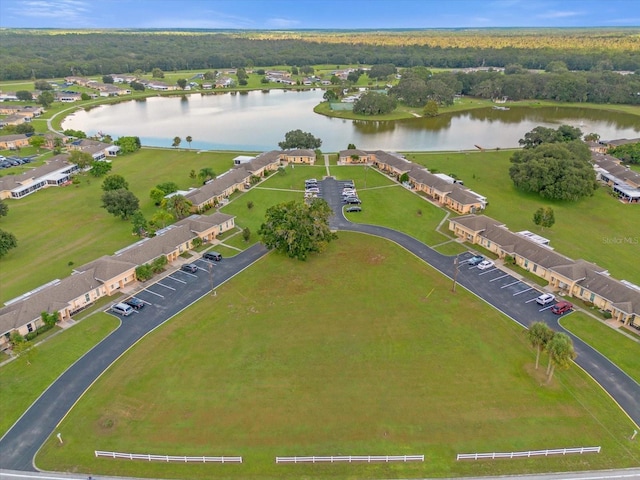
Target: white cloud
(559, 14)
(282, 23)
(63, 9)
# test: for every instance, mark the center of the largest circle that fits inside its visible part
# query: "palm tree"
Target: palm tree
(561, 353)
(189, 139)
(179, 206)
(206, 174)
(539, 335)
(176, 142)
(162, 217)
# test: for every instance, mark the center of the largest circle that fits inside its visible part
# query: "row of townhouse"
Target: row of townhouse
(20, 140)
(443, 189)
(624, 182)
(577, 278)
(239, 178)
(98, 150)
(56, 172)
(106, 275)
(105, 89)
(18, 114)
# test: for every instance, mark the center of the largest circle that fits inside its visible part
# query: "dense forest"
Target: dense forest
(52, 53)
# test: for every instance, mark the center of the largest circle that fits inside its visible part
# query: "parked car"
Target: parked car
(189, 267)
(485, 264)
(311, 180)
(475, 260)
(545, 299)
(561, 307)
(352, 201)
(134, 302)
(122, 309)
(215, 256)
(353, 209)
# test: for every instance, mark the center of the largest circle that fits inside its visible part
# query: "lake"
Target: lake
(258, 120)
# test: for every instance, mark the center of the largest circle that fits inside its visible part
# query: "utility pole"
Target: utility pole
(211, 279)
(456, 270)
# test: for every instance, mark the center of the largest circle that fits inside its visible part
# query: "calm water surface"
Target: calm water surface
(257, 121)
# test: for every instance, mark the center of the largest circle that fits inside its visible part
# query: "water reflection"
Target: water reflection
(254, 121)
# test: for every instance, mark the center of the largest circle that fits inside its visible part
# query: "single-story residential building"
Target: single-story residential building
(13, 142)
(56, 172)
(300, 156)
(98, 150)
(218, 189)
(577, 278)
(355, 156)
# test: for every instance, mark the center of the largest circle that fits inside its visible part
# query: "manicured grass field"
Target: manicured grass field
(618, 348)
(361, 350)
(599, 229)
(23, 380)
(59, 226)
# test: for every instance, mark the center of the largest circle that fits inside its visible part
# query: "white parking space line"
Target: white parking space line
(488, 271)
(165, 286)
(190, 274)
(498, 278)
(522, 291)
(144, 301)
(154, 293)
(509, 284)
(181, 281)
(532, 300)
(545, 308)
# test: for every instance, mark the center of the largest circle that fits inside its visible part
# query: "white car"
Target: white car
(486, 264)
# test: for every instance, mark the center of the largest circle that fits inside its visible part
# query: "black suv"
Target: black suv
(215, 256)
(189, 267)
(134, 302)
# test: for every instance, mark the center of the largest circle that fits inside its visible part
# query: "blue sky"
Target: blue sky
(302, 14)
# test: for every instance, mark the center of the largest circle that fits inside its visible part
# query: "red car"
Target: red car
(561, 307)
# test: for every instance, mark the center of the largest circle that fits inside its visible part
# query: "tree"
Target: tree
(24, 95)
(114, 182)
(539, 335)
(374, 103)
(49, 319)
(250, 204)
(25, 128)
(139, 223)
(120, 203)
(628, 153)
(544, 217)
(246, 234)
(383, 71)
(189, 139)
(591, 137)
(128, 144)
(182, 83)
(168, 187)
(330, 95)
(162, 217)
(4, 208)
(178, 205)
(298, 229)
(7, 242)
(351, 146)
(558, 171)
(137, 86)
(176, 142)
(205, 174)
(157, 73)
(99, 168)
(42, 85)
(299, 139)
(81, 159)
(156, 195)
(561, 353)
(430, 109)
(107, 79)
(37, 141)
(45, 99)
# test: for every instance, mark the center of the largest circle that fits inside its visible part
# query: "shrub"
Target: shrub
(158, 264)
(606, 314)
(144, 272)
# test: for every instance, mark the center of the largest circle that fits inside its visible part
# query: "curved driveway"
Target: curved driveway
(22, 441)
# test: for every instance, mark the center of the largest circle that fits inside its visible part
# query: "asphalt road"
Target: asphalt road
(170, 295)
(178, 290)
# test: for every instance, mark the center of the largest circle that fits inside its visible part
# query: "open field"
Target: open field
(75, 214)
(599, 229)
(23, 380)
(316, 364)
(621, 350)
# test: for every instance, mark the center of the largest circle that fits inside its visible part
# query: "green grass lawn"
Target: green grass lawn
(618, 348)
(593, 228)
(361, 350)
(23, 380)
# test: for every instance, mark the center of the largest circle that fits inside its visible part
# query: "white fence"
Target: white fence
(533, 453)
(352, 459)
(168, 458)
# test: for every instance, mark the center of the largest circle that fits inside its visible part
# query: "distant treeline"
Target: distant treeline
(50, 54)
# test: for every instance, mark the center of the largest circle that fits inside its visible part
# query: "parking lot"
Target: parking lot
(507, 290)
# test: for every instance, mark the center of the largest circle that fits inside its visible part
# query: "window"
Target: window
(582, 292)
(29, 327)
(535, 267)
(87, 298)
(592, 297)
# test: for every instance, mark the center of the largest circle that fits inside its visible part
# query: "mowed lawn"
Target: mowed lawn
(62, 228)
(361, 350)
(23, 380)
(620, 349)
(599, 229)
